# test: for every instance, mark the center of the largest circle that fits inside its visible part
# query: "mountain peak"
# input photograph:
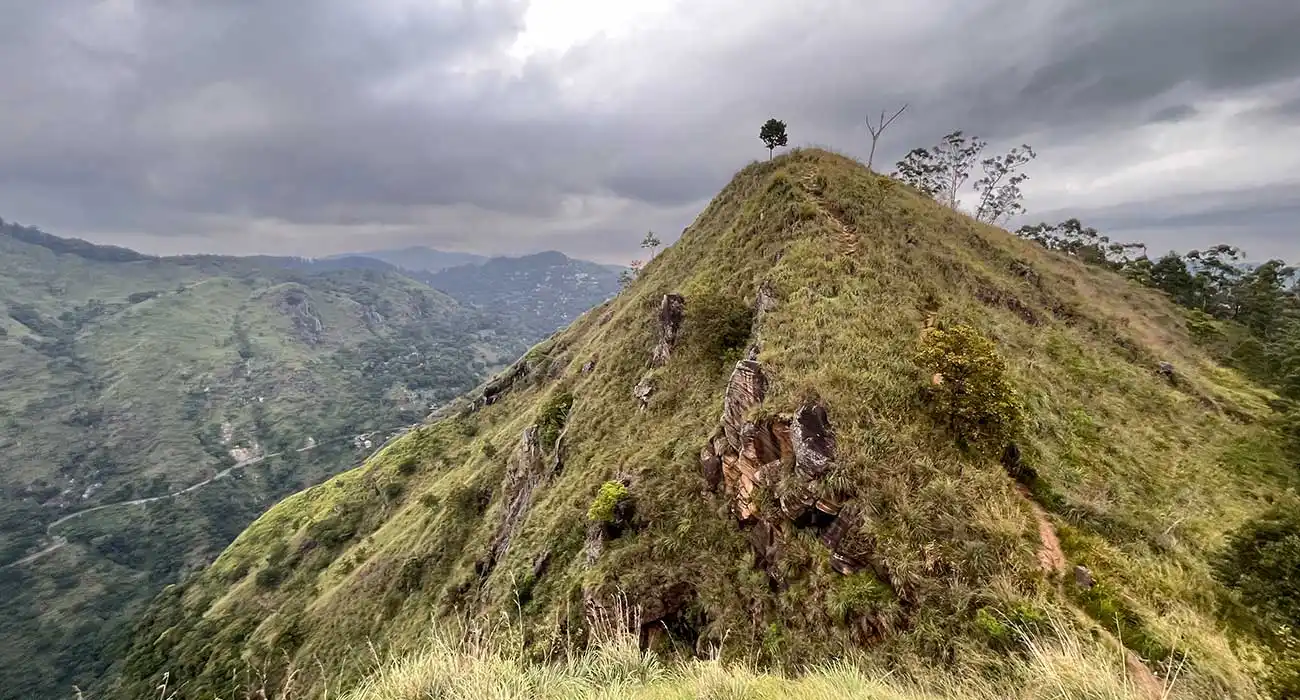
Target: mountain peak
(834, 418)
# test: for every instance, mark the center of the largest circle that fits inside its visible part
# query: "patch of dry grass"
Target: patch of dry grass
(469, 663)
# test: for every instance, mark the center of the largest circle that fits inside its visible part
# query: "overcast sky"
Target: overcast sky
(511, 126)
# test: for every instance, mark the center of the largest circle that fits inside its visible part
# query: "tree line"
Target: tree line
(1249, 314)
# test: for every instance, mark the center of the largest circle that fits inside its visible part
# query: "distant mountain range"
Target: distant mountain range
(538, 293)
(126, 377)
(416, 258)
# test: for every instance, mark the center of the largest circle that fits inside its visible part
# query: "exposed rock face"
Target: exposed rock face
(373, 319)
(1083, 577)
(711, 460)
(598, 533)
(672, 310)
(813, 440)
(524, 475)
(745, 389)
(764, 302)
(503, 382)
(788, 456)
(1167, 371)
(295, 303)
(589, 366)
(643, 390)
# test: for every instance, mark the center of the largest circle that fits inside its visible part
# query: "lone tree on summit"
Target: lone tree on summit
(773, 135)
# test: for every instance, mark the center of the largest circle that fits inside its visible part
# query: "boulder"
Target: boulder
(672, 311)
(813, 440)
(643, 390)
(711, 466)
(1083, 577)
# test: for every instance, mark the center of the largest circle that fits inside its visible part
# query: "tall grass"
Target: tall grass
(477, 662)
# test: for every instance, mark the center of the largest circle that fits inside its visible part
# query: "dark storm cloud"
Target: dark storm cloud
(324, 126)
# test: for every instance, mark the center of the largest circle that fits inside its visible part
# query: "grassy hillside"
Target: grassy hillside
(127, 377)
(868, 427)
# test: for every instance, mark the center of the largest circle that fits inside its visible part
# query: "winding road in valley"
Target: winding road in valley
(59, 542)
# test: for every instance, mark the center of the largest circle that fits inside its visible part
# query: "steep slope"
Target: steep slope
(126, 378)
(833, 418)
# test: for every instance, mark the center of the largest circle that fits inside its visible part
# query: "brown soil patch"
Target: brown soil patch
(1145, 683)
(1050, 557)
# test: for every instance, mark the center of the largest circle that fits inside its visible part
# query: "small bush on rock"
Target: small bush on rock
(602, 509)
(970, 388)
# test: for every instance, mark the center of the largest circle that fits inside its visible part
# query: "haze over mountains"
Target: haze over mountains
(130, 377)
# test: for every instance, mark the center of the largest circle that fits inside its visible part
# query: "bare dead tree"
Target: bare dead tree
(877, 129)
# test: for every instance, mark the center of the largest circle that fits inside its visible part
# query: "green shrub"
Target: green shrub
(1008, 628)
(553, 417)
(970, 387)
(611, 494)
(270, 577)
(1106, 607)
(468, 500)
(857, 594)
(717, 327)
(1262, 563)
(408, 465)
(392, 490)
(336, 529)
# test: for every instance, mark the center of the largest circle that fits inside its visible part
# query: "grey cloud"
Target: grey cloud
(1173, 113)
(345, 123)
(1262, 221)
(1288, 109)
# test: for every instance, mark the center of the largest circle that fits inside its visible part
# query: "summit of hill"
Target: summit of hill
(835, 420)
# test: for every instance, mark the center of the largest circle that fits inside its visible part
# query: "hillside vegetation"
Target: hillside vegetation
(126, 377)
(538, 293)
(834, 421)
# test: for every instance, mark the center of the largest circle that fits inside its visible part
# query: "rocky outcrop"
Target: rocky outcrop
(600, 532)
(813, 440)
(372, 318)
(295, 303)
(745, 390)
(764, 302)
(786, 456)
(524, 474)
(672, 311)
(642, 391)
(505, 381)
